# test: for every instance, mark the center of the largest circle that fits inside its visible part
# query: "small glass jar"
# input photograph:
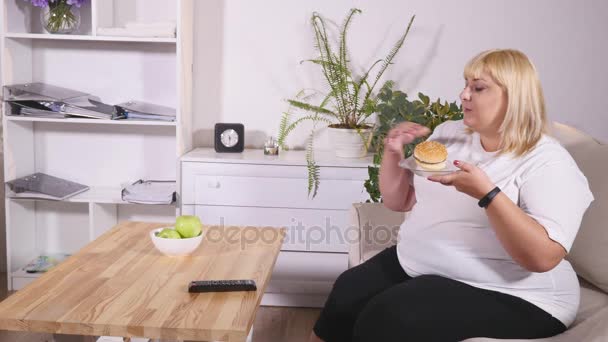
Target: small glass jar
(271, 147)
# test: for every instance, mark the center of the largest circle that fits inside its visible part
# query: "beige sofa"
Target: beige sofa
(589, 254)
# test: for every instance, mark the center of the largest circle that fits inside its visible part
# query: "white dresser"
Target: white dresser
(252, 189)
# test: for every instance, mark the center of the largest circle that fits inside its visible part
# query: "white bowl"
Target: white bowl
(175, 247)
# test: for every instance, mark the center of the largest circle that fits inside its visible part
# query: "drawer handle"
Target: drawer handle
(213, 184)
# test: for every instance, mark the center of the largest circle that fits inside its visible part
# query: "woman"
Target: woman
(482, 252)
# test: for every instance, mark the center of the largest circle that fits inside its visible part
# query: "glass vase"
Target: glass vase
(60, 18)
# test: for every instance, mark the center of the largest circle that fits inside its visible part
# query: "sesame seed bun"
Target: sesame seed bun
(431, 155)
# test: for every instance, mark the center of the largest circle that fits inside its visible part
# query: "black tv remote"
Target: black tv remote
(221, 285)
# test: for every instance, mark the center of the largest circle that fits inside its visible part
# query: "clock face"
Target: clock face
(229, 137)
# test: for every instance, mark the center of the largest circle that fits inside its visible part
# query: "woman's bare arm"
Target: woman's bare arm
(396, 187)
(395, 184)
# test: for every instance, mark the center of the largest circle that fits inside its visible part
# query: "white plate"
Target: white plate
(410, 164)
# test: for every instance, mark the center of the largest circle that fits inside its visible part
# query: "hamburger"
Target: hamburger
(431, 155)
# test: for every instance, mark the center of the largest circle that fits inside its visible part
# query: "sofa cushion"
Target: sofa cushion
(593, 300)
(589, 254)
(378, 226)
(590, 324)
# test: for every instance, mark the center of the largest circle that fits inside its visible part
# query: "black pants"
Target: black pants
(378, 301)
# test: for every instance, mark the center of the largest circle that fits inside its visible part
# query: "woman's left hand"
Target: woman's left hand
(470, 180)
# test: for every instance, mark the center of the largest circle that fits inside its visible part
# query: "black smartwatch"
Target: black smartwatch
(485, 200)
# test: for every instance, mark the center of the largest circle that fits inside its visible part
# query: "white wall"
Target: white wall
(247, 54)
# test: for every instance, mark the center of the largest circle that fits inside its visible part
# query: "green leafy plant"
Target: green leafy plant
(394, 107)
(349, 100)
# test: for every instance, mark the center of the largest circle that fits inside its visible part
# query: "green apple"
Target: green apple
(188, 226)
(168, 233)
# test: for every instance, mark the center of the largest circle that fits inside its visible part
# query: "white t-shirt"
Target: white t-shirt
(448, 234)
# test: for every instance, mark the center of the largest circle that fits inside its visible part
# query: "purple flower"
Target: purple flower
(39, 3)
(45, 3)
(75, 2)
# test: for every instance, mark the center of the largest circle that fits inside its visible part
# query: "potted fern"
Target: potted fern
(394, 107)
(348, 102)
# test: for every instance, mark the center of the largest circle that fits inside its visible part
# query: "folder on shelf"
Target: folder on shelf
(141, 110)
(42, 186)
(36, 108)
(45, 100)
(55, 109)
(92, 108)
(150, 192)
(142, 116)
(39, 91)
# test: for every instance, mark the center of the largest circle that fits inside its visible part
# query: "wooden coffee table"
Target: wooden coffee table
(120, 285)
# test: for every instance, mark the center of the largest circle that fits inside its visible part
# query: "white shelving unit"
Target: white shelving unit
(95, 122)
(90, 38)
(103, 154)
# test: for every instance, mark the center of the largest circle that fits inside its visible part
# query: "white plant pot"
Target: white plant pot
(348, 143)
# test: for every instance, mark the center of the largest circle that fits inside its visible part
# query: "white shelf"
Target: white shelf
(92, 151)
(323, 158)
(19, 279)
(23, 274)
(98, 195)
(93, 121)
(103, 195)
(106, 195)
(89, 38)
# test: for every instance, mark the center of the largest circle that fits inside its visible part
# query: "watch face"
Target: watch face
(229, 137)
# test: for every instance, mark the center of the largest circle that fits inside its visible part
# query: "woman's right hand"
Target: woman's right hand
(402, 134)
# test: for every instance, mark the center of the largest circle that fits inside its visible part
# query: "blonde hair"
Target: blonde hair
(525, 120)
